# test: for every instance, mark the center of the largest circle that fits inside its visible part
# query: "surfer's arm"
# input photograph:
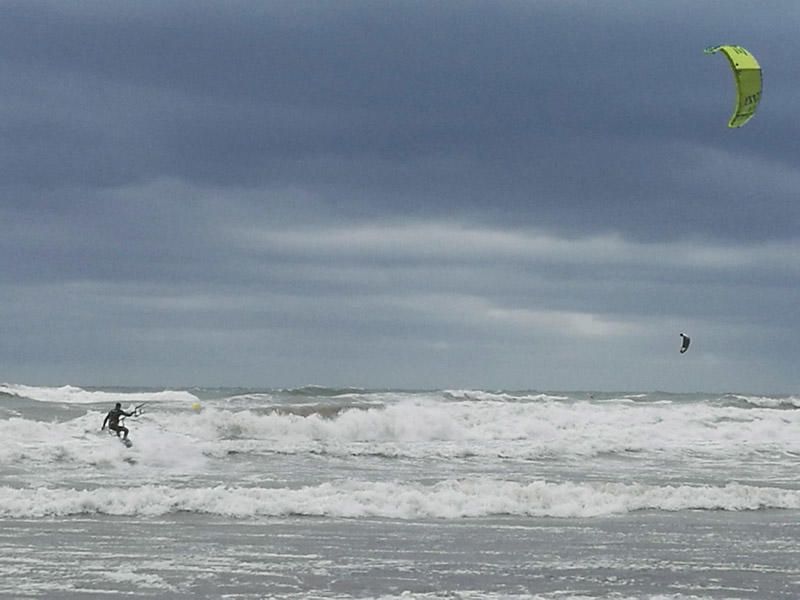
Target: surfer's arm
(104, 423)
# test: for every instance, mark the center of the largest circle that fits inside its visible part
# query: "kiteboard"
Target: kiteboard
(126, 442)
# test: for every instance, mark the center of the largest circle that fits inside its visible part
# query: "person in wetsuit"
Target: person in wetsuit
(112, 418)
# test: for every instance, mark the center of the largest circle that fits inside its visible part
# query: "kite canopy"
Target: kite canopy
(747, 73)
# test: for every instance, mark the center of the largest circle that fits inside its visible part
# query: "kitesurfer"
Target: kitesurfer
(112, 418)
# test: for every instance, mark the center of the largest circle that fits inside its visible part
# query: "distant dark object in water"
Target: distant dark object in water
(685, 341)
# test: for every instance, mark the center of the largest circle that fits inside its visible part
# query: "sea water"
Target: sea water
(351, 493)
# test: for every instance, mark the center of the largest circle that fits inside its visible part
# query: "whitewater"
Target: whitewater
(351, 493)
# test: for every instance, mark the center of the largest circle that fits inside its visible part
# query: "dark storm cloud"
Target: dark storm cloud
(564, 113)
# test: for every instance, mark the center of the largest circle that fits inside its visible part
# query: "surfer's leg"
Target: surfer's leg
(124, 430)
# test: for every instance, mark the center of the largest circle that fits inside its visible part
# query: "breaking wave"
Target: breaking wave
(452, 499)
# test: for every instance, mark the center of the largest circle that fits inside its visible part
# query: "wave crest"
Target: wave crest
(69, 394)
(451, 499)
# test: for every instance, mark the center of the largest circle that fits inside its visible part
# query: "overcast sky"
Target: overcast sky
(533, 194)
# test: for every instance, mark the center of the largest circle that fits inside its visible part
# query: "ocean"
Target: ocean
(320, 493)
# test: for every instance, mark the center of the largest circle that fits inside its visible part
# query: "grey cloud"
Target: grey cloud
(138, 139)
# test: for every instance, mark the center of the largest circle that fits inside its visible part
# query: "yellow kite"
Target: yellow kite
(747, 73)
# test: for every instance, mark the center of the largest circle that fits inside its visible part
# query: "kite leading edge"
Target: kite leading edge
(747, 73)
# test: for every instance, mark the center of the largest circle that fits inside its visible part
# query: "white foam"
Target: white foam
(430, 428)
(79, 442)
(481, 395)
(134, 578)
(451, 499)
(512, 429)
(69, 394)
